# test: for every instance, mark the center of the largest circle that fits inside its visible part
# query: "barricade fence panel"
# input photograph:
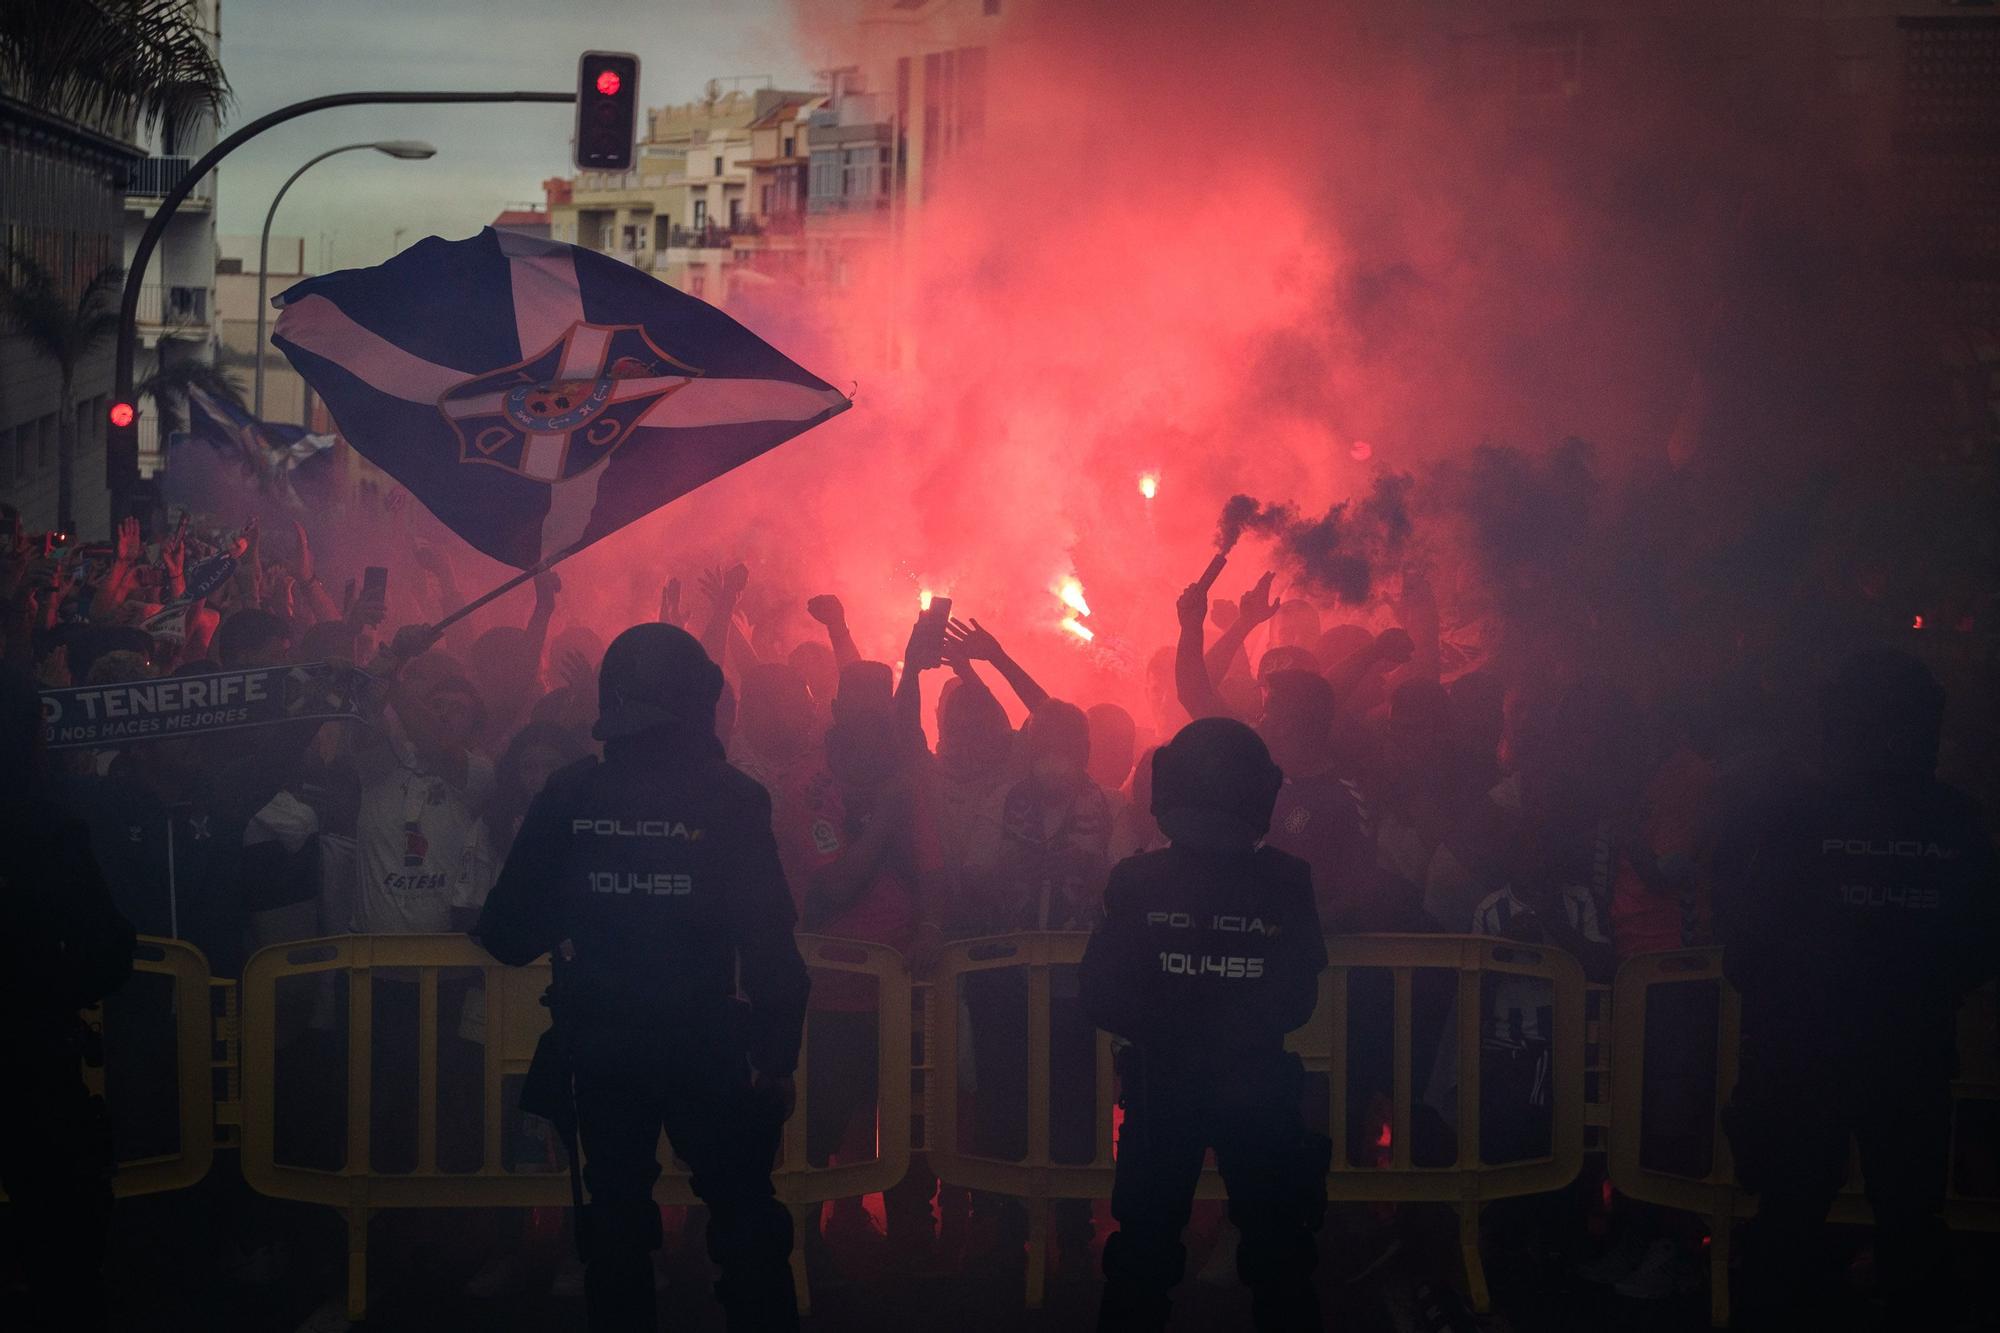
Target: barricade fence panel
(1677, 1033)
(154, 1038)
(384, 1072)
(1012, 1000)
(405, 1093)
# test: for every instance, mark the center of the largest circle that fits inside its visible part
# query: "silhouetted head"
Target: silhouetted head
(1296, 625)
(656, 677)
(814, 661)
(1299, 709)
(865, 688)
(775, 715)
(972, 726)
(1286, 657)
(1214, 786)
(537, 751)
(1057, 738)
(1882, 717)
(1113, 738)
(1340, 642)
(252, 637)
(582, 640)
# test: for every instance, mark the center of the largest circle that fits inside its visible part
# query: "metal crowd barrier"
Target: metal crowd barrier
(513, 1020)
(1322, 1044)
(1716, 1196)
(200, 1113)
(1590, 1037)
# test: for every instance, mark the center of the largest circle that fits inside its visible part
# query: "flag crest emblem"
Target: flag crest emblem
(535, 396)
(565, 410)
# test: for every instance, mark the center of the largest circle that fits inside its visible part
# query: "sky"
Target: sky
(281, 51)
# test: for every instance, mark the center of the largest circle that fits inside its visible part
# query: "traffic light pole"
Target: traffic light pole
(156, 226)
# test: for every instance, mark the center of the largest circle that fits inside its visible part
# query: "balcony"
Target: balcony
(711, 236)
(153, 177)
(164, 306)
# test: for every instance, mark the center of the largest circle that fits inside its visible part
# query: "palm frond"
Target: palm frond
(99, 61)
(34, 305)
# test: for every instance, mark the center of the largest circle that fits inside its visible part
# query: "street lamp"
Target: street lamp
(409, 150)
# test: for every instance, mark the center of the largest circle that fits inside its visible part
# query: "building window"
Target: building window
(718, 166)
(697, 282)
(735, 213)
(700, 214)
(45, 441)
(791, 144)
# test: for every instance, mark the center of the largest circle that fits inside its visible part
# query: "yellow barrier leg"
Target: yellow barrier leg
(800, 1287)
(1718, 1269)
(1038, 1251)
(357, 1264)
(1475, 1264)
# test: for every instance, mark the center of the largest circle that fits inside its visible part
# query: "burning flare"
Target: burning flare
(1149, 484)
(1072, 596)
(1078, 628)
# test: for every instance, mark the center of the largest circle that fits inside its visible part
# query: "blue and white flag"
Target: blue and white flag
(267, 446)
(536, 396)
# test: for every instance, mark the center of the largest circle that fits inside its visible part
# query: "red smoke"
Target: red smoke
(1284, 249)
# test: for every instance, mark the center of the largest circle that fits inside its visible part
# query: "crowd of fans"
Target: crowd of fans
(1552, 809)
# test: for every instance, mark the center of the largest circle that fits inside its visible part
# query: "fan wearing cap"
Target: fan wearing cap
(1209, 953)
(653, 877)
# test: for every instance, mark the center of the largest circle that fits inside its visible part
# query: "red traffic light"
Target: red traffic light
(123, 415)
(607, 110)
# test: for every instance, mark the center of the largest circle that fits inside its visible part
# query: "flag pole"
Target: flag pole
(451, 618)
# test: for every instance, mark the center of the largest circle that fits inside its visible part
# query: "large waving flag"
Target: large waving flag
(537, 396)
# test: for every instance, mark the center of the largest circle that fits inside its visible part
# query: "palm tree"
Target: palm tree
(65, 331)
(168, 388)
(99, 61)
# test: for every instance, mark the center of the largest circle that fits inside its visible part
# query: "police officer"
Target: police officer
(62, 946)
(653, 879)
(1855, 913)
(1208, 954)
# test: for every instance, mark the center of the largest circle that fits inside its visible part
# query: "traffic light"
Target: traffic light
(121, 447)
(607, 110)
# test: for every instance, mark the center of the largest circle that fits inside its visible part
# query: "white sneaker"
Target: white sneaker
(1653, 1278)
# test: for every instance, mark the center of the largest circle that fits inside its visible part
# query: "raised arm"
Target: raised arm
(971, 641)
(828, 611)
(547, 584)
(1253, 608)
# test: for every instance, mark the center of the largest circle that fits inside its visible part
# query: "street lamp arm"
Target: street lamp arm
(264, 266)
(128, 306)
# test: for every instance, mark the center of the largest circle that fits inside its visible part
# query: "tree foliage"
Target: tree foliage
(98, 61)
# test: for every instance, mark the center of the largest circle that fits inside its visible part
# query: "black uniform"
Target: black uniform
(65, 947)
(1855, 916)
(1209, 953)
(654, 877)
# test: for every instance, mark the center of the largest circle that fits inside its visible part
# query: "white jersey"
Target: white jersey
(423, 849)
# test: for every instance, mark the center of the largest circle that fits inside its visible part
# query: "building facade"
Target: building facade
(177, 322)
(61, 191)
(686, 204)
